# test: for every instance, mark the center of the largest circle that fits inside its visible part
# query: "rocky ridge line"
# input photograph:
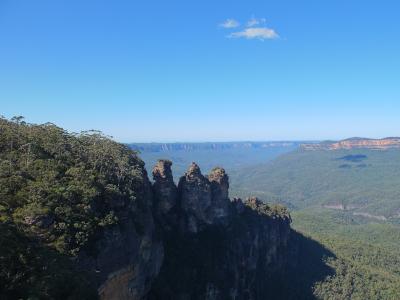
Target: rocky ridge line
(356, 143)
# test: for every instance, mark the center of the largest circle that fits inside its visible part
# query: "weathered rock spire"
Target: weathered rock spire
(220, 183)
(164, 188)
(204, 200)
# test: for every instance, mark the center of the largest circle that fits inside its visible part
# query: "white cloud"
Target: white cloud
(253, 22)
(261, 33)
(230, 23)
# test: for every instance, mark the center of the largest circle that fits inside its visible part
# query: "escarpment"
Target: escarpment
(214, 247)
(218, 248)
(356, 143)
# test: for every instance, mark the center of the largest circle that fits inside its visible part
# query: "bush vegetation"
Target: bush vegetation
(58, 191)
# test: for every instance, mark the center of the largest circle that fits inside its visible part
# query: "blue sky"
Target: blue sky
(204, 70)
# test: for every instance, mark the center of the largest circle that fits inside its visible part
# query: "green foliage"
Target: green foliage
(275, 211)
(28, 270)
(366, 256)
(58, 190)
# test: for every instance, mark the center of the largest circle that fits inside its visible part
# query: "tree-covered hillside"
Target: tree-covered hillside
(364, 181)
(58, 192)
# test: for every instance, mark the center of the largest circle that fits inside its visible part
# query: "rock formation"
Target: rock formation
(220, 249)
(204, 201)
(165, 191)
(188, 242)
(195, 199)
(220, 193)
(165, 194)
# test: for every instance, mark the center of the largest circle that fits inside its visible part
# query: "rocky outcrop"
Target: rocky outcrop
(356, 143)
(191, 242)
(195, 199)
(165, 191)
(220, 192)
(221, 249)
(204, 200)
(165, 195)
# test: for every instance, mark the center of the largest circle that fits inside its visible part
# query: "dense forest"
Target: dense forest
(366, 256)
(57, 193)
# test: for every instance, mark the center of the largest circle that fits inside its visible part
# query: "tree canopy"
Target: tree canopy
(58, 191)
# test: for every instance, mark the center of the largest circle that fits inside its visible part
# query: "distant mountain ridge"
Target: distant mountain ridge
(162, 147)
(355, 143)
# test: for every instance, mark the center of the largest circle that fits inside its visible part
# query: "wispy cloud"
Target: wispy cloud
(255, 28)
(230, 23)
(254, 21)
(261, 33)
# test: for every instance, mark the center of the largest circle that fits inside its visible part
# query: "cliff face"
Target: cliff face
(207, 246)
(218, 248)
(128, 256)
(212, 247)
(162, 147)
(356, 143)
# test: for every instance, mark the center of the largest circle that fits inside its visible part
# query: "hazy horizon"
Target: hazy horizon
(258, 141)
(210, 140)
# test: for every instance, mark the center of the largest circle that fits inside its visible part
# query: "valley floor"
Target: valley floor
(367, 255)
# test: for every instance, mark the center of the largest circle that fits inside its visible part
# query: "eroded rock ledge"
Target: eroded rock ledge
(191, 241)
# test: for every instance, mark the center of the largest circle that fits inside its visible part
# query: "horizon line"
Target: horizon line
(262, 141)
